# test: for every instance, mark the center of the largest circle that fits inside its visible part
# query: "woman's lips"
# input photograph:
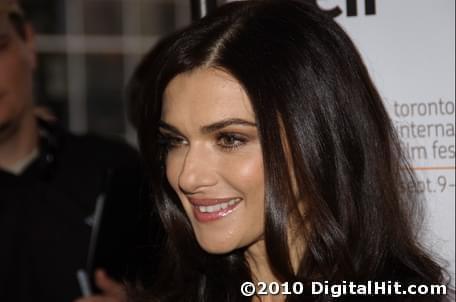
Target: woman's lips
(206, 210)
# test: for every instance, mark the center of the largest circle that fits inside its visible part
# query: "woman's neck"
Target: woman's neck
(260, 266)
(258, 262)
(261, 270)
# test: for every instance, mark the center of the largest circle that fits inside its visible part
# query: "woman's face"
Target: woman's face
(214, 161)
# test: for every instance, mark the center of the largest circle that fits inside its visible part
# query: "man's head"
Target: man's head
(15, 14)
(17, 63)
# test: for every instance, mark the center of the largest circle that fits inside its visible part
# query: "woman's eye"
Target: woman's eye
(230, 140)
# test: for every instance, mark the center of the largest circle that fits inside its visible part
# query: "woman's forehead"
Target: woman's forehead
(208, 94)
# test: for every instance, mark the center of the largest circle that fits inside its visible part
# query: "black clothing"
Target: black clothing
(46, 212)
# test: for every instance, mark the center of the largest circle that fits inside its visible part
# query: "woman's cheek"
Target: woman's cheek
(246, 173)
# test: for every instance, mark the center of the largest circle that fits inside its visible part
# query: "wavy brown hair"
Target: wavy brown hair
(310, 90)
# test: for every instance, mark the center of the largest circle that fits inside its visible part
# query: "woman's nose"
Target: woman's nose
(198, 171)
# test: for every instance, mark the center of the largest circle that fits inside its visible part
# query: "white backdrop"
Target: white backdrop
(409, 49)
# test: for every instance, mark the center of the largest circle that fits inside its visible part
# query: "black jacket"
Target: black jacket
(46, 212)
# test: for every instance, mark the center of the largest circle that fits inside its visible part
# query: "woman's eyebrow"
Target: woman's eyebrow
(211, 127)
(225, 123)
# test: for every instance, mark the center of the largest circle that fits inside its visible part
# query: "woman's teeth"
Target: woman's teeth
(219, 206)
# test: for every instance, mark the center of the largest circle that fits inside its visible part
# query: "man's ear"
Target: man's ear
(30, 42)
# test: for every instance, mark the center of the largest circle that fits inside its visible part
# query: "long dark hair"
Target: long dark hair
(315, 107)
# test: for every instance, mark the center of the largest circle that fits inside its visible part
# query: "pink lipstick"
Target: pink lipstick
(206, 210)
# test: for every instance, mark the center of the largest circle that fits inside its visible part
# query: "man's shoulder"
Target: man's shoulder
(99, 144)
(98, 149)
(89, 161)
(87, 156)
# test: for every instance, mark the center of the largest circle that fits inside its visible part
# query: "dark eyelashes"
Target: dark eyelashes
(227, 141)
(230, 141)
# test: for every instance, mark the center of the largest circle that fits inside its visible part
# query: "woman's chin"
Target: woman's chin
(217, 247)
